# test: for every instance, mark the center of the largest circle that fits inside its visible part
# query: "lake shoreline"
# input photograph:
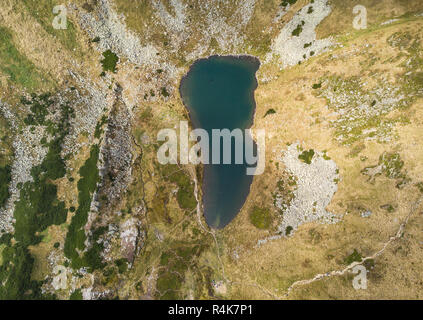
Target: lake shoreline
(195, 123)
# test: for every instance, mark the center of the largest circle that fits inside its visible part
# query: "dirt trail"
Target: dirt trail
(321, 276)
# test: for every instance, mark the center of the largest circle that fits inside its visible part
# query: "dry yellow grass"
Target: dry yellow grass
(317, 248)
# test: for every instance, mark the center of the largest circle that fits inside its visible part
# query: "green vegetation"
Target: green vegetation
(392, 165)
(38, 206)
(37, 209)
(261, 218)
(269, 112)
(388, 207)
(214, 44)
(16, 265)
(297, 31)
(164, 92)
(6, 142)
(369, 264)
(42, 12)
(285, 3)
(325, 156)
(185, 195)
(5, 178)
(15, 274)
(353, 257)
(317, 85)
(6, 153)
(109, 62)
(285, 193)
(75, 238)
(174, 264)
(99, 127)
(307, 156)
(356, 150)
(18, 68)
(76, 295)
(349, 96)
(288, 230)
(122, 265)
(92, 258)
(39, 107)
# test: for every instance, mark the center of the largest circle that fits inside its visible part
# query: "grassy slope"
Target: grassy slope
(316, 248)
(15, 66)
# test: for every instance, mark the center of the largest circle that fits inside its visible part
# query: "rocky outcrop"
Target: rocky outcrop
(131, 238)
(297, 40)
(116, 153)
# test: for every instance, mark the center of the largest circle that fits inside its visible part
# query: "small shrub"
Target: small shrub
(288, 230)
(307, 156)
(109, 62)
(297, 31)
(269, 112)
(122, 265)
(164, 92)
(76, 295)
(285, 3)
(353, 257)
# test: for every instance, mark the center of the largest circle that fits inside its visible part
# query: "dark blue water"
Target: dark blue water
(219, 94)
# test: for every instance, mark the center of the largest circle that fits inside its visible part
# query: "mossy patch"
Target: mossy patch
(5, 178)
(15, 274)
(307, 156)
(185, 194)
(392, 165)
(286, 3)
(18, 68)
(76, 295)
(122, 265)
(297, 31)
(109, 62)
(353, 257)
(75, 238)
(288, 230)
(164, 92)
(261, 218)
(38, 206)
